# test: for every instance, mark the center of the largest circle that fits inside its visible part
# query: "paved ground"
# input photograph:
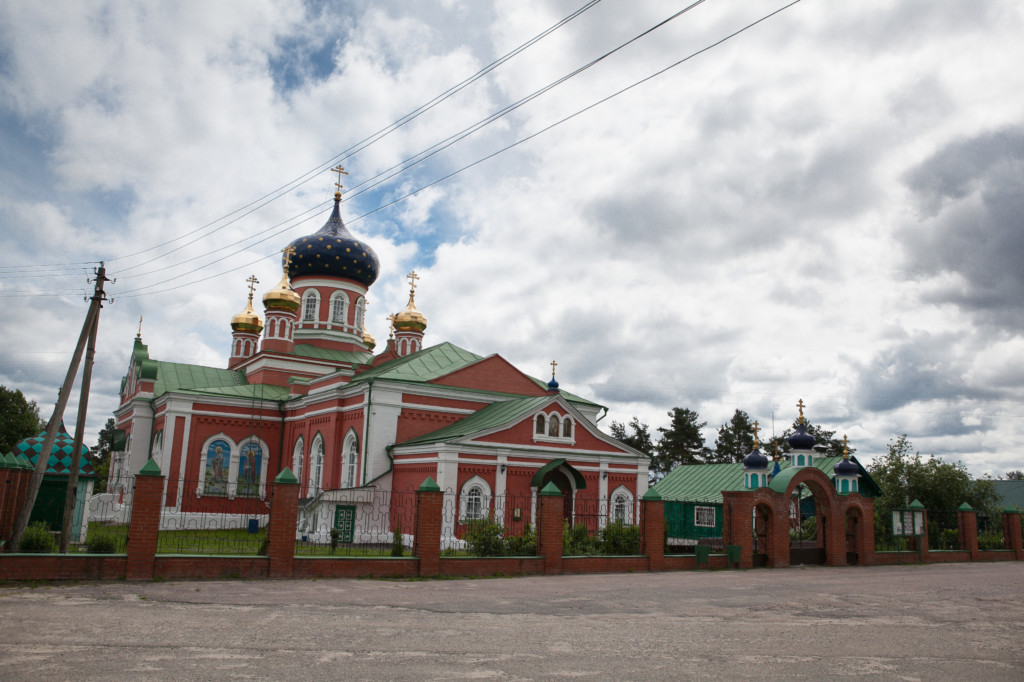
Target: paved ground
(955, 622)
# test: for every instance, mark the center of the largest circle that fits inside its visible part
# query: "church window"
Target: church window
(216, 467)
(554, 426)
(704, 517)
(250, 468)
(845, 486)
(338, 311)
(540, 423)
(298, 454)
(360, 304)
(310, 306)
(567, 428)
(474, 500)
(316, 464)
(619, 508)
(349, 457)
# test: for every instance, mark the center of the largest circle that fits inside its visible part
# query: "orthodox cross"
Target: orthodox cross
(252, 285)
(756, 443)
(412, 277)
(800, 404)
(391, 323)
(340, 171)
(846, 451)
(288, 252)
(139, 335)
(553, 365)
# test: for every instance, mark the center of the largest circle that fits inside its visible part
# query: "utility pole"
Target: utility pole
(71, 497)
(21, 522)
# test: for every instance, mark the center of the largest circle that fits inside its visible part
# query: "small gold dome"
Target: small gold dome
(368, 338)
(247, 320)
(410, 319)
(282, 297)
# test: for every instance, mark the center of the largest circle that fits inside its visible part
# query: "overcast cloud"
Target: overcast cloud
(828, 206)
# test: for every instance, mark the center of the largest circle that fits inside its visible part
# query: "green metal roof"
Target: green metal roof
(1011, 494)
(249, 392)
(705, 482)
(173, 376)
(494, 415)
(306, 350)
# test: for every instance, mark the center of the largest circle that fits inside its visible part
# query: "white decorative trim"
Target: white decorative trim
(613, 505)
(485, 499)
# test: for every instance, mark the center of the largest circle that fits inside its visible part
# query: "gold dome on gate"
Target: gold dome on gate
(410, 319)
(248, 320)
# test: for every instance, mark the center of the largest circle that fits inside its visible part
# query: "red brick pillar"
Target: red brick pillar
(145, 522)
(427, 541)
(284, 513)
(967, 524)
(737, 524)
(6, 480)
(654, 530)
(866, 533)
(1011, 532)
(835, 534)
(17, 476)
(549, 528)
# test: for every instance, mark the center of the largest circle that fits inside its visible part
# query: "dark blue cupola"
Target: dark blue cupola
(847, 473)
(755, 466)
(801, 442)
(332, 251)
(553, 385)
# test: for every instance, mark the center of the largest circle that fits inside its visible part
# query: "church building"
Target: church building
(305, 390)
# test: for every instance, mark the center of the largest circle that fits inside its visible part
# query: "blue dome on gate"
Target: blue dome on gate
(755, 460)
(846, 467)
(332, 251)
(60, 454)
(801, 440)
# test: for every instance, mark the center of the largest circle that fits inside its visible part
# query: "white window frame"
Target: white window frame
(349, 458)
(298, 455)
(360, 309)
(339, 299)
(236, 453)
(485, 499)
(232, 449)
(311, 303)
(562, 418)
(624, 492)
(700, 511)
(316, 465)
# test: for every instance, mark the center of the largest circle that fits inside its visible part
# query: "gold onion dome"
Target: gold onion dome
(282, 297)
(410, 319)
(368, 338)
(247, 320)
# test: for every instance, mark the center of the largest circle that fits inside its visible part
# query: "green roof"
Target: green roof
(1011, 494)
(305, 350)
(494, 415)
(249, 392)
(705, 482)
(173, 376)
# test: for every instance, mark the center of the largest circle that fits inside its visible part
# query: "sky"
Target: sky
(826, 206)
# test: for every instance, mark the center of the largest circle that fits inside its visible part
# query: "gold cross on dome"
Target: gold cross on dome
(553, 365)
(801, 406)
(340, 171)
(252, 285)
(288, 252)
(756, 443)
(412, 277)
(391, 323)
(139, 335)
(846, 450)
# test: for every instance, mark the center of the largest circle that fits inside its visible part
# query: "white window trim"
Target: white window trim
(349, 460)
(485, 502)
(335, 297)
(236, 454)
(298, 455)
(544, 437)
(621, 490)
(697, 509)
(316, 468)
(311, 294)
(232, 449)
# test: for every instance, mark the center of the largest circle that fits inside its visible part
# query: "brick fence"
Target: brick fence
(141, 562)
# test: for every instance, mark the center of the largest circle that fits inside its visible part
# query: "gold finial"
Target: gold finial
(553, 365)
(800, 404)
(846, 450)
(139, 335)
(340, 171)
(757, 444)
(412, 277)
(391, 324)
(288, 252)
(252, 286)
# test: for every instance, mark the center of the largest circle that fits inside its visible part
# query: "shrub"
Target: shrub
(576, 540)
(485, 537)
(101, 544)
(37, 539)
(618, 538)
(335, 535)
(397, 549)
(990, 540)
(522, 545)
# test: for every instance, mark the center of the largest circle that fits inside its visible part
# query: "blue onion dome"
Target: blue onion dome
(334, 252)
(755, 460)
(801, 440)
(552, 385)
(845, 466)
(60, 455)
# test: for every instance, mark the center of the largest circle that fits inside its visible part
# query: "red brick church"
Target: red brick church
(304, 389)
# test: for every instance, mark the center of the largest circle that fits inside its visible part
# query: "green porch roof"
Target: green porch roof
(494, 415)
(705, 482)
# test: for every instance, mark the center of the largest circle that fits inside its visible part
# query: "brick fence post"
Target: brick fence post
(653, 510)
(1011, 532)
(6, 481)
(284, 513)
(967, 525)
(922, 540)
(145, 522)
(866, 534)
(737, 516)
(549, 528)
(17, 476)
(426, 544)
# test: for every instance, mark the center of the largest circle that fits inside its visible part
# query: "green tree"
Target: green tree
(100, 454)
(904, 475)
(681, 442)
(640, 439)
(1015, 475)
(735, 438)
(19, 418)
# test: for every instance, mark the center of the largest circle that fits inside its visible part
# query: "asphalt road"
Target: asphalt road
(939, 622)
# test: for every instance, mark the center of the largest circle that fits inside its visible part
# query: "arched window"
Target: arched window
(620, 507)
(474, 500)
(360, 305)
(567, 428)
(298, 454)
(553, 426)
(339, 303)
(310, 306)
(217, 468)
(249, 474)
(349, 457)
(540, 424)
(316, 465)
